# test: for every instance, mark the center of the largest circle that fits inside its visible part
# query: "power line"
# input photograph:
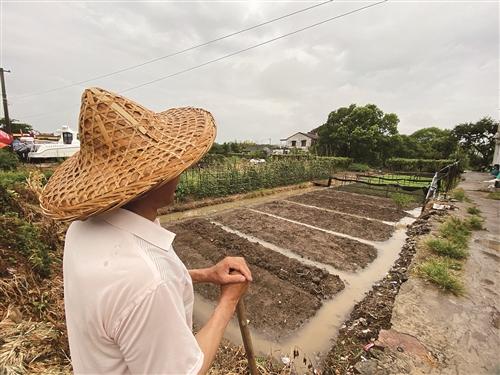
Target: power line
(132, 67)
(239, 51)
(252, 47)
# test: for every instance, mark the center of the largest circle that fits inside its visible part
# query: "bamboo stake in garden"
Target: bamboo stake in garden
(247, 338)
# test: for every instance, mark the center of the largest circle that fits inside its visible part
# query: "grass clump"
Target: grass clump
(458, 194)
(475, 222)
(455, 231)
(474, 210)
(402, 200)
(446, 247)
(439, 272)
(25, 237)
(494, 195)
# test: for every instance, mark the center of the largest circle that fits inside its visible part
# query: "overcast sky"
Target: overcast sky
(433, 63)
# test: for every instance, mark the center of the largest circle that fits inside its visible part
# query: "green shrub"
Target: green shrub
(8, 160)
(475, 222)
(447, 248)
(422, 165)
(227, 179)
(358, 167)
(25, 237)
(438, 272)
(473, 210)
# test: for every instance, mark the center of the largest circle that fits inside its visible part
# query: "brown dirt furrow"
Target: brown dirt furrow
(350, 203)
(342, 253)
(351, 225)
(284, 294)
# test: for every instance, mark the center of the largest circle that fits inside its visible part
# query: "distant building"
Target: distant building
(300, 140)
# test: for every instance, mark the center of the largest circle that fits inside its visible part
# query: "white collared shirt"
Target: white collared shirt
(128, 298)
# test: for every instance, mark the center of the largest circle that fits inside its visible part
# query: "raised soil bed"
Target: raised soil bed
(342, 253)
(354, 226)
(370, 207)
(284, 294)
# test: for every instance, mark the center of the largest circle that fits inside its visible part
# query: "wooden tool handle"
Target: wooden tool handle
(245, 335)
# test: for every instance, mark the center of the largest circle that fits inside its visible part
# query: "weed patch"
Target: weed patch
(458, 194)
(402, 200)
(494, 195)
(474, 210)
(446, 247)
(455, 231)
(23, 236)
(439, 273)
(475, 222)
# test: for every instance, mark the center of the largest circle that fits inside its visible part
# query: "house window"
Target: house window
(294, 143)
(303, 143)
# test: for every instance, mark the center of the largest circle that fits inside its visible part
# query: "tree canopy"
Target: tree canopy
(368, 135)
(17, 127)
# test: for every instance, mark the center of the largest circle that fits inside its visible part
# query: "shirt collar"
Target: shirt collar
(149, 231)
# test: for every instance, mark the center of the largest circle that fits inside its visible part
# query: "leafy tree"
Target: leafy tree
(363, 133)
(433, 143)
(17, 127)
(476, 139)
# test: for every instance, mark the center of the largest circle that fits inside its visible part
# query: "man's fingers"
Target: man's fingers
(235, 278)
(240, 265)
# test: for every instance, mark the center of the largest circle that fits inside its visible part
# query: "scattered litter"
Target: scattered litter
(285, 360)
(368, 346)
(365, 331)
(440, 207)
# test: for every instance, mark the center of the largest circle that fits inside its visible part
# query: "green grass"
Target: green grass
(494, 195)
(402, 200)
(447, 248)
(475, 222)
(474, 210)
(403, 180)
(455, 231)
(439, 272)
(458, 194)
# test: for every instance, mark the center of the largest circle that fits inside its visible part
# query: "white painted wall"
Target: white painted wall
(299, 142)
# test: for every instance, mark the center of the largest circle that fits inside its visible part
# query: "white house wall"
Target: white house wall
(298, 138)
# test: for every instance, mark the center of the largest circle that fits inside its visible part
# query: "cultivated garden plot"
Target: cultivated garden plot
(342, 253)
(366, 206)
(285, 293)
(373, 230)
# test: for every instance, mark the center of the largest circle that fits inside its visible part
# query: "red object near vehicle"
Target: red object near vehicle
(5, 139)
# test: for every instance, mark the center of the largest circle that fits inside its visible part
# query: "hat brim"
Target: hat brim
(85, 186)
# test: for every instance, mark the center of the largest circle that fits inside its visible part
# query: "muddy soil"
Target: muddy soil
(342, 253)
(374, 312)
(284, 294)
(353, 226)
(350, 203)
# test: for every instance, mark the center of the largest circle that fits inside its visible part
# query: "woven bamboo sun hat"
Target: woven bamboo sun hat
(125, 151)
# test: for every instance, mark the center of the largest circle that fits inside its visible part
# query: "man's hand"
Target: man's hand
(221, 272)
(232, 292)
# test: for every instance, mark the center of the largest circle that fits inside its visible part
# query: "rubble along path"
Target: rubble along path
(437, 333)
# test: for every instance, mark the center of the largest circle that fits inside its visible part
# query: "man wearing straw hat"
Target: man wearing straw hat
(128, 297)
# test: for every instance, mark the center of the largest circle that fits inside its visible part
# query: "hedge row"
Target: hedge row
(414, 165)
(218, 181)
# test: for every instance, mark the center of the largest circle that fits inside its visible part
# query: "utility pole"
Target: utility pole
(4, 99)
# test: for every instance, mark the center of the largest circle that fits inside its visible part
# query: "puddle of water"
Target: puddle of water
(314, 337)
